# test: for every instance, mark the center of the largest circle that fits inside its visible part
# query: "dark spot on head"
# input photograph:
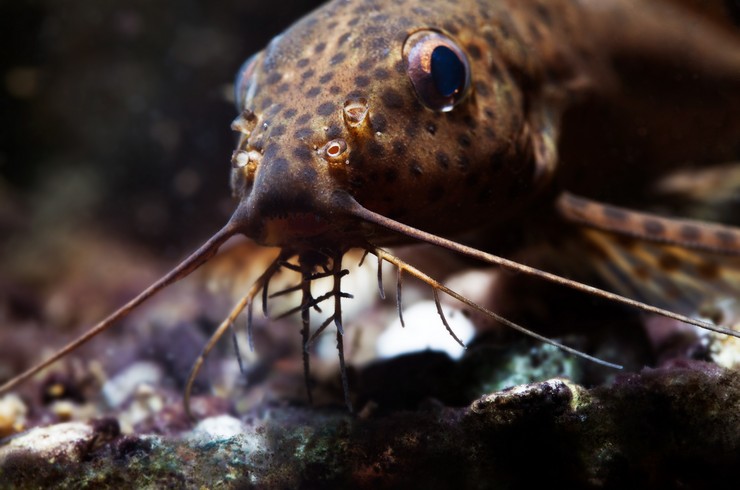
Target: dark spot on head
(308, 174)
(421, 11)
(366, 64)
(653, 227)
(313, 92)
(353, 21)
(326, 108)
(392, 99)
(303, 119)
(464, 141)
(489, 113)
(371, 28)
(490, 39)
(481, 87)
(495, 71)
(274, 78)
(267, 102)
(320, 47)
(614, 214)
(337, 58)
(290, 113)
(411, 129)
(356, 94)
(443, 160)
(503, 27)
(334, 90)
(379, 19)
(362, 81)
(334, 131)
(308, 73)
(302, 63)
(431, 128)
(379, 123)
(379, 43)
(326, 77)
(451, 28)
(281, 165)
(470, 121)
(343, 38)
(302, 153)
(400, 66)
(283, 87)
(303, 133)
(474, 51)
(381, 74)
(278, 130)
(399, 147)
(691, 233)
(543, 13)
(669, 262)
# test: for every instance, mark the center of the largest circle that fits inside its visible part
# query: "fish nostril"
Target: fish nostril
(355, 111)
(335, 151)
(239, 159)
(244, 122)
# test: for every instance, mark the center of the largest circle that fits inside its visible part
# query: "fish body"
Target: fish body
(372, 122)
(561, 95)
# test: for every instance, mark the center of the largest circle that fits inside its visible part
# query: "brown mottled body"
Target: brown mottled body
(342, 147)
(533, 64)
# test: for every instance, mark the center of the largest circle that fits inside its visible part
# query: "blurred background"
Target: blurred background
(117, 113)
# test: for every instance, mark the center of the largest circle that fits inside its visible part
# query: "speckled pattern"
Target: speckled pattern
(443, 172)
(478, 156)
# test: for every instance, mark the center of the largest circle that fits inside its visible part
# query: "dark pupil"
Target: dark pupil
(448, 71)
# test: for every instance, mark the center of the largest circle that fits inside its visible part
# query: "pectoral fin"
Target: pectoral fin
(692, 267)
(692, 234)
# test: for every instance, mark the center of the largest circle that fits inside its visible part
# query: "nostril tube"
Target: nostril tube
(355, 112)
(239, 159)
(335, 151)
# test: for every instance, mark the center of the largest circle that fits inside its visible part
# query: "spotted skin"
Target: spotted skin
(477, 157)
(335, 143)
(485, 161)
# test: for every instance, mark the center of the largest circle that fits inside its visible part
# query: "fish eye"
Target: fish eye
(243, 81)
(438, 68)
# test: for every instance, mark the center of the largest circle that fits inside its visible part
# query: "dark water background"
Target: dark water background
(116, 115)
